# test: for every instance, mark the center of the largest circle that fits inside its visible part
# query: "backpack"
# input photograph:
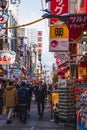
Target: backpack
(22, 96)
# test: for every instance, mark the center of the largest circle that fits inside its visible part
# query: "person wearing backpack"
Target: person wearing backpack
(23, 99)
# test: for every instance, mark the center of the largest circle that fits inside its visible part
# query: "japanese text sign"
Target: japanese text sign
(58, 32)
(21, 46)
(58, 38)
(77, 24)
(7, 57)
(58, 7)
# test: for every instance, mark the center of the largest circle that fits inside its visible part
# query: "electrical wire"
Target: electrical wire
(27, 24)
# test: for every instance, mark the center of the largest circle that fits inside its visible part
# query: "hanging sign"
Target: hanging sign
(58, 7)
(77, 24)
(58, 38)
(21, 46)
(7, 57)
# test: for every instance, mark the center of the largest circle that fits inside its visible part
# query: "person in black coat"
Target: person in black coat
(40, 98)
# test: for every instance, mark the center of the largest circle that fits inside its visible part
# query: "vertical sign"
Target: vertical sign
(58, 7)
(58, 38)
(58, 33)
(39, 45)
(21, 46)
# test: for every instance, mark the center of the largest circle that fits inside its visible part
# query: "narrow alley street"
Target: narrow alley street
(33, 123)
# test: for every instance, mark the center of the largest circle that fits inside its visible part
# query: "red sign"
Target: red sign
(77, 24)
(39, 45)
(39, 51)
(39, 33)
(58, 7)
(39, 39)
(81, 6)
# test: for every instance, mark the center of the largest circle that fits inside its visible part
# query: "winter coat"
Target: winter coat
(26, 95)
(10, 98)
(40, 94)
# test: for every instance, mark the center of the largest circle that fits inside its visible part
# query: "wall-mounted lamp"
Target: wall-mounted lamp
(84, 33)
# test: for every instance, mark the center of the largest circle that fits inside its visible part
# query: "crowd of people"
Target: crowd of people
(16, 98)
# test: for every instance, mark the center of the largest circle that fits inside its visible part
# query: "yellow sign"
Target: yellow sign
(81, 71)
(59, 32)
(55, 97)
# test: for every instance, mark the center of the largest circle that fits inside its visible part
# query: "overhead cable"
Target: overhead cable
(38, 20)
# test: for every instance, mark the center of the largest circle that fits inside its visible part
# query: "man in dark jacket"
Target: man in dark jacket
(40, 98)
(23, 99)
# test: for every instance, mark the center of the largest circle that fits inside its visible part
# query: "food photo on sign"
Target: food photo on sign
(7, 57)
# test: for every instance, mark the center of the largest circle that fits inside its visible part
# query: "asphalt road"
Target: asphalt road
(33, 123)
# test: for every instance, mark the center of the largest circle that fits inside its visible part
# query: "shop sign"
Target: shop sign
(58, 38)
(39, 33)
(58, 44)
(7, 57)
(58, 7)
(21, 46)
(81, 71)
(77, 24)
(55, 97)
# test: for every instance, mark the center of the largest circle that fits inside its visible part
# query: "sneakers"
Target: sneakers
(9, 121)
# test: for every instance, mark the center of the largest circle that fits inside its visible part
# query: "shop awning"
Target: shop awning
(62, 70)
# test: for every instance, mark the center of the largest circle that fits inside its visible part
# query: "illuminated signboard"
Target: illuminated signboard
(7, 57)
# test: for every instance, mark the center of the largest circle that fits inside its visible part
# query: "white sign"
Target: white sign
(7, 57)
(58, 44)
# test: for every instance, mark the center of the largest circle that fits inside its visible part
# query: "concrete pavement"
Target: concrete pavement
(33, 123)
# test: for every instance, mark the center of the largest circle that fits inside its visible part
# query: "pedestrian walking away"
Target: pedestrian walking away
(40, 98)
(10, 100)
(23, 99)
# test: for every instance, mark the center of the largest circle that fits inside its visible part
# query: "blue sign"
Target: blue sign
(28, 72)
